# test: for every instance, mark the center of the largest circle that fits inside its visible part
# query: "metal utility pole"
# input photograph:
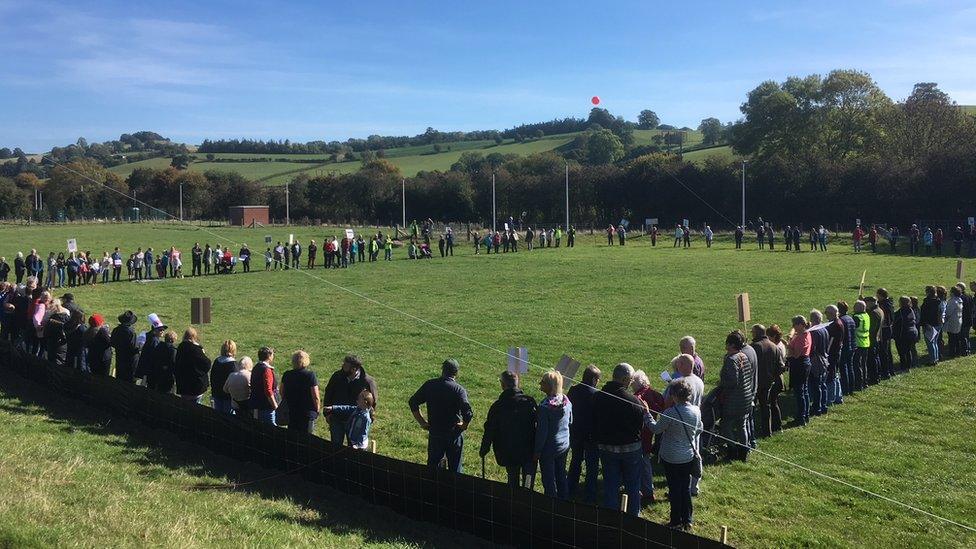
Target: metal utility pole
(403, 201)
(494, 222)
(567, 196)
(181, 202)
(744, 195)
(287, 206)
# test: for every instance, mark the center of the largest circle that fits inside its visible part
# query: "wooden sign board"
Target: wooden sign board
(567, 366)
(742, 304)
(518, 360)
(199, 310)
(960, 270)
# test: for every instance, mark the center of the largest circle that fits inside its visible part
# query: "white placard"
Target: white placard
(518, 360)
(72, 245)
(684, 222)
(350, 234)
(567, 366)
(857, 221)
(291, 239)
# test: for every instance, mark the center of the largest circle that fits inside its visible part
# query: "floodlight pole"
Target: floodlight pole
(744, 162)
(181, 202)
(494, 222)
(287, 206)
(403, 200)
(567, 196)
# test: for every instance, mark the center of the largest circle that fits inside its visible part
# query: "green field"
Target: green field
(907, 439)
(700, 155)
(410, 160)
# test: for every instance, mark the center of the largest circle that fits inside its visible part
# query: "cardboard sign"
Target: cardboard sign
(684, 222)
(291, 239)
(267, 239)
(72, 245)
(199, 310)
(742, 304)
(518, 360)
(350, 234)
(959, 270)
(567, 366)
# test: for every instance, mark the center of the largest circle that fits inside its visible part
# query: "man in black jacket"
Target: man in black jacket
(197, 253)
(618, 417)
(449, 414)
(343, 388)
(510, 428)
(888, 308)
(126, 347)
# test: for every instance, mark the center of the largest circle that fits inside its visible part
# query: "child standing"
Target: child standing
(358, 418)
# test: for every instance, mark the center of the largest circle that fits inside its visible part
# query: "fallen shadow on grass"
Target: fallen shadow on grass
(156, 450)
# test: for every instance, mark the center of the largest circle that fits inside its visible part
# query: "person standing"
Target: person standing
(739, 233)
(555, 414)
(238, 386)
(817, 380)
(581, 440)
(905, 333)
(450, 241)
(887, 306)
(927, 240)
(837, 333)
(686, 235)
(98, 346)
(654, 236)
(957, 237)
(245, 256)
(761, 236)
(449, 414)
(874, 357)
(931, 323)
(641, 387)
(223, 366)
(938, 240)
(312, 250)
(264, 387)
(737, 381)
(857, 237)
(126, 348)
(679, 427)
(162, 375)
(571, 237)
(618, 417)
(153, 337)
(300, 391)
(342, 389)
(967, 318)
(798, 352)
(709, 235)
(862, 349)
(770, 380)
(796, 238)
(770, 236)
(192, 368)
(207, 259)
(622, 234)
(510, 430)
(296, 255)
(196, 257)
(441, 245)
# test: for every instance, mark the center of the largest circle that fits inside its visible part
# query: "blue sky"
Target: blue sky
(332, 70)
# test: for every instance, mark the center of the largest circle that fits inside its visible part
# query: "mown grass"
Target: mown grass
(907, 439)
(72, 476)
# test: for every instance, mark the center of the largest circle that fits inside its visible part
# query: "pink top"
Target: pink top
(799, 345)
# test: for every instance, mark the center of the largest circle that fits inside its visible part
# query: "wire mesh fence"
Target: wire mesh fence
(488, 509)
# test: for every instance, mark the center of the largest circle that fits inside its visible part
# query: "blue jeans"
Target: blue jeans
(445, 444)
(846, 372)
(338, 431)
(552, 466)
(61, 276)
(265, 416)
(817, 381)
(931, 336)
(800, 380)
(223, 405)
(584, 452)
(623, 469)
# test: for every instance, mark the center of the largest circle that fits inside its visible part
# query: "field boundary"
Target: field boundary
(485, 508)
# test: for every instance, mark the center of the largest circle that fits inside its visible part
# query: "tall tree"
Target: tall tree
(647, 120)
(711, 130)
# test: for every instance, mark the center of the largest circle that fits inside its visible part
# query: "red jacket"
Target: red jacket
(655, 401)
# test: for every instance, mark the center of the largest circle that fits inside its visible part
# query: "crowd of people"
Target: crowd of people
(618, 430)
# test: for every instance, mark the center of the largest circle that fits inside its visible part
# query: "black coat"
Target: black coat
(510, 428)
(161, 375)
(126, 351)
(930, 312)
(99, 345)
(192, 369)
(145, 355)
(56, 338)
(903, 326)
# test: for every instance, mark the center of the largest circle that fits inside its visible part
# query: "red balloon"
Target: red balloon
(595, 100)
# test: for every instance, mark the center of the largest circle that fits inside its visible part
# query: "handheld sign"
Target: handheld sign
(653, 221)
(742, 304)
(518, 360)
(72, 245)
(291, 239)
(684, 222)
(199, 310)
(959, 270)
(858, 222)
(267, 239)
(567, 367)
(350, 234)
